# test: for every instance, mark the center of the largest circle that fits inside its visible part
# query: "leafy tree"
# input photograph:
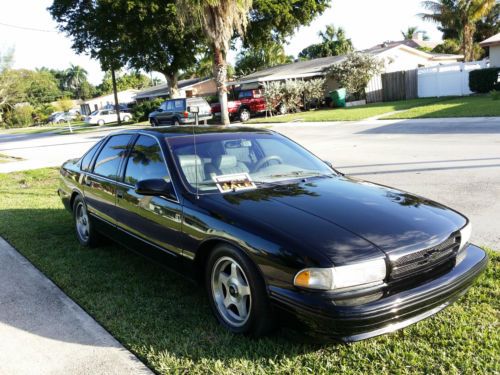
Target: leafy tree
(133, 80)
(64, 104)
(334, 42)
(20, 116)
(460, 15)
(453, 46)
(219, 19)
(355, 72)
(275, 20)
(155, 40)
(252, 59)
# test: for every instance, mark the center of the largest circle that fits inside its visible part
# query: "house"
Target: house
(395, 56)
(494, 44)
(187, 88)
(124, 97)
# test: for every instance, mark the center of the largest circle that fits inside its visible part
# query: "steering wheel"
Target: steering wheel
(265, 160)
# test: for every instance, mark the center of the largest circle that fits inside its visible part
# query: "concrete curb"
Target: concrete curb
(43, 331)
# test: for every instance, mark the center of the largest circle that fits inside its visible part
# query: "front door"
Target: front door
(153, 221)
(100, 183)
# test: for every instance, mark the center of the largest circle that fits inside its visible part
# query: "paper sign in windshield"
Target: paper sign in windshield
(233, 182)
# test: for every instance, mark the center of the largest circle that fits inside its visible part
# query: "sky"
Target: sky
(366, 22)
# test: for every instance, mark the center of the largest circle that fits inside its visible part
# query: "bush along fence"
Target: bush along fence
(293, 95)
(484, 80)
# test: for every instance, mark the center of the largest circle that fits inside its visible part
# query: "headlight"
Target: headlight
(353, 275)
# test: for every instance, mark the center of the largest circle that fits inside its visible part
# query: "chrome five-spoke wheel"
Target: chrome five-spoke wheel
(231, 291)
(82, 222)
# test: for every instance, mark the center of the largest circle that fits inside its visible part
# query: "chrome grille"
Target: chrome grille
(425, 259)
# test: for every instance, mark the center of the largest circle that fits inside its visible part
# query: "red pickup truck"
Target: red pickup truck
(249, 103)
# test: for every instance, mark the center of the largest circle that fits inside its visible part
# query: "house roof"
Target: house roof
(317, 67)
(163, 89)
(299, 69)
(492, 41)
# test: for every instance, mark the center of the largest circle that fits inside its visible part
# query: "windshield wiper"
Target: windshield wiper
(301, 174)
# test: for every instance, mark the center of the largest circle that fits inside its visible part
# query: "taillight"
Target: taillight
(186, 114)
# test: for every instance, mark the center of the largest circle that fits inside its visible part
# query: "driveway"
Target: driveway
(453, 161)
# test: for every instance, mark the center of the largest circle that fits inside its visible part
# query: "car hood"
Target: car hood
(346, 219)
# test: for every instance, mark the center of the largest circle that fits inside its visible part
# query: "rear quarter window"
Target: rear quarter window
(87, 158)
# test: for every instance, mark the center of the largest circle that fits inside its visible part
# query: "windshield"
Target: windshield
(95, 113)
(264, 157)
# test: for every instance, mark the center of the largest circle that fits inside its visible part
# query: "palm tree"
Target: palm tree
(75, 76)
(336, 41)
(409, 33)
(219, 20)
(461, 15)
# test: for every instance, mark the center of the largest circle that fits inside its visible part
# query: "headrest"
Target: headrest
(189, 160)
(225, 161)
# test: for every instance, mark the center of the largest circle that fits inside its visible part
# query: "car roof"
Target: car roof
(179, 131)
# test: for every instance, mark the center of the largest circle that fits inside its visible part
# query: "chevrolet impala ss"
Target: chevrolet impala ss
(272, 232)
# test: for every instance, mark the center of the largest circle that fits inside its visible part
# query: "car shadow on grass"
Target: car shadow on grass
(141, 303)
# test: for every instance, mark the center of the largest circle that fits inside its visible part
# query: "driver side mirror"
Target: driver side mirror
(155, 187)
(159, 110)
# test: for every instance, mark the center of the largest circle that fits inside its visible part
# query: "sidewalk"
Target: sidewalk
(42, 331)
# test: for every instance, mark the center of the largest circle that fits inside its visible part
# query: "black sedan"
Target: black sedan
(271, 231)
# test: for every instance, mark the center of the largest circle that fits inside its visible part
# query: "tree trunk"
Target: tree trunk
(220, 76)
(468, 42)
(115, 92)
(173, 85)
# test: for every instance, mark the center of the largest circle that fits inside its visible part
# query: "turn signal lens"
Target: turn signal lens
(314, 278)
(465, 234)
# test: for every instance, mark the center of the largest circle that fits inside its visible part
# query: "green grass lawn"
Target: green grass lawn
(166, 321)
(467, 106)
(347, 114)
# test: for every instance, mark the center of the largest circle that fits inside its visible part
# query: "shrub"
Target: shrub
(143, 109)
(484, 80)
(495, 95)
(21, 116)
(355, 72)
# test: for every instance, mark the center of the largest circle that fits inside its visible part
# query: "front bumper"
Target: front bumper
(387, 314)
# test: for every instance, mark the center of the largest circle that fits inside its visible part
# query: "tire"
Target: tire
(176, 122)
(85, 232)
(240, 302)
(126, 118)
(101, 122)
(153, 122)
(244, 115)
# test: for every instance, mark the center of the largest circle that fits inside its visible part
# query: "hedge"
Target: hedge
(484, 80)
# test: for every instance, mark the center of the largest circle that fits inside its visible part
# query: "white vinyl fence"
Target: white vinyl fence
(446, 80)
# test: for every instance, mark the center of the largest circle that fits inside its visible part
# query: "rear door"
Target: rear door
(100, 182)
(153, 222)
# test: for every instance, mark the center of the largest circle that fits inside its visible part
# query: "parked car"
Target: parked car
(249, 103)
(53, 116)
(62, 117)
(272, 232)
(105, 116)
(175, 112)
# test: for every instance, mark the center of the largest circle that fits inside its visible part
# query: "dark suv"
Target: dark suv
(175, 112)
